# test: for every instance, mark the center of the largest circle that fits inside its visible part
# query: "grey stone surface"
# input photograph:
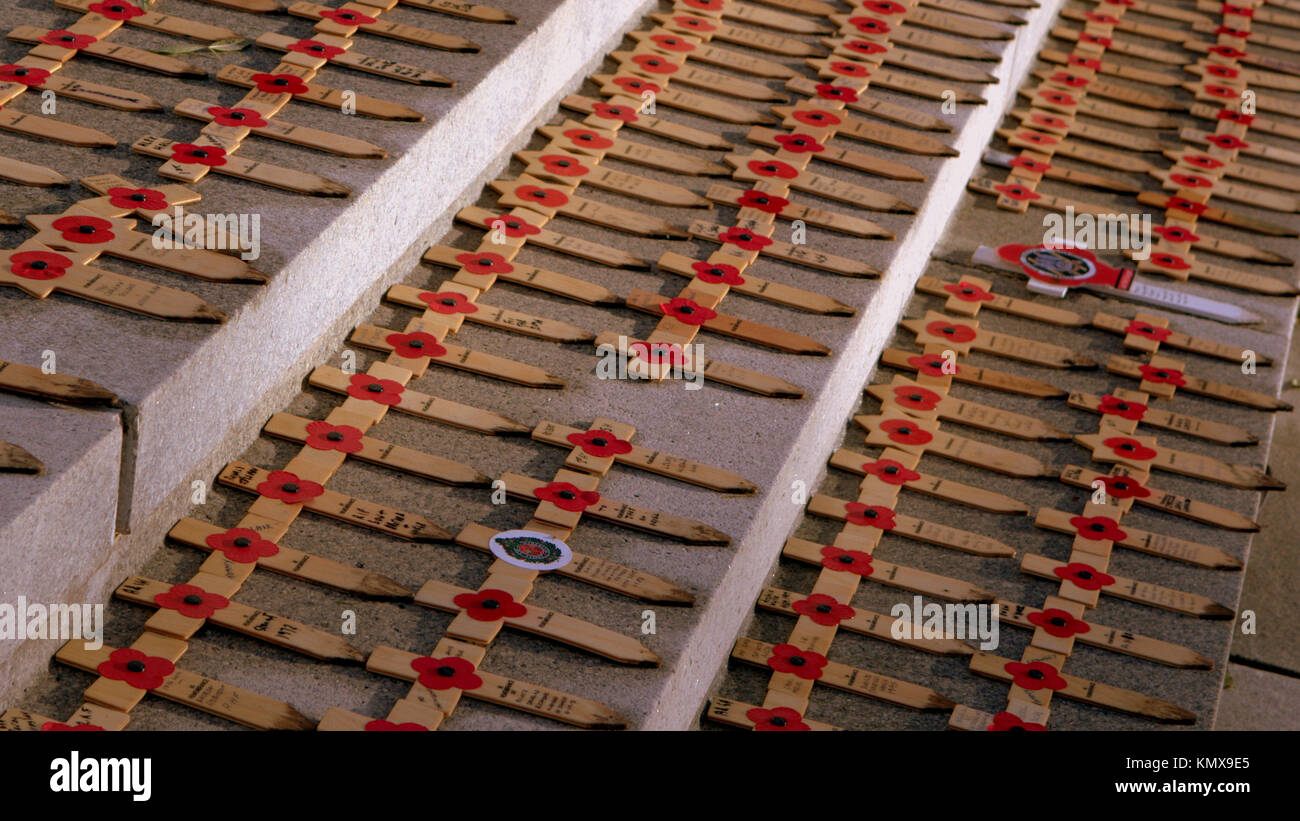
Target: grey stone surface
(772, 442)
(59, 550)
(1258, 700)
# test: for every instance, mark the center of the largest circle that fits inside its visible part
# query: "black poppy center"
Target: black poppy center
(375, 387)
(776, 721)
(1126, 446)
(39, 265)
(1084, 574)
(1097, 527)
(1119, 485)
(891, 470)
(117, 8)
(798, 661)
(136, 666)
(846, 559)
(717, 272)
(448, 301)
(686, 309)
(823, 608)
(316, 47)
(564, 163)
(334, 436)
(904, 431)
(490, 604)
(746, 237)
(86, 229)
(1162, 374)
(199, 152)
(770, 167)
(968, 291)
(1035, 674)
(138, 197)
(1057, 621)
(193, 599)
(600, 442)
(1122, 406)
(243, 541)
(446, 671)
(415, 343)
(280, 81)
(948, 329)
(290, 487)
(67, 38)
(870, 514)
(567, 494)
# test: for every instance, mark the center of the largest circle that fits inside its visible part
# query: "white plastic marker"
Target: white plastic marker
(1055, 269)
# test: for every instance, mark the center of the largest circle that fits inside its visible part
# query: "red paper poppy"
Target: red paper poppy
(448, 302)
(545, 197)
(877, 516)
(884, 7)
(776, 719)
(654, 64)
(1084, 576)
(1130, 448)
(890, 472)
(819, 117)
(564, 166)
(1240, 11)
(342, 438)
(718, 273)
(373, 389)
(614, 112)
(955, 333)
(1065, 78)
(968, 292)
(1017, 192)
(866, 47)
(67, 39)
(1227, 141)
(1059, 623)
(1149, 331)
(1180, 204)
(668, 42)
(1163, 376)
(242, 545)
(600, 443)
(807, 665)
(904, 432)
(1124, 487)
(1036, 675)
(763, 201)
(316, 48)
(1034, 166)
(490, 605)
(695, 23)
(823, 609)
(1085, 37)
(773, 168)
(1232, 32)
(567, 496)
(116, 9)
(1058, 97)
(1097, 529)
(380, 725)
(870, 25)
(23, 75)
(57, 726)
(744, 238)
(1226, 92)
(279, 83)
(847, 561)
(512, 226)
(849, 69)
(38, 265)
(191, 601)
(447, 673)
(1104, 19)
(916, 398)
(136, 669)
(1036, 138)
(930, 366)
(288, 488)
(706, 5)
(1122, 408)
(799, 144)
(146, 198)
(1219, 70)
(1236, 116)
(843, 94)
(1175, 233)
(1004, 721)
(636, 85)
(484, 263)
(85, 230)
(345, 17)
(588, 138)
(1191, 180)
(415, 345)
(1049, 121)
(687, 311)
(658, 353)
(191, 154)
(1084, 62)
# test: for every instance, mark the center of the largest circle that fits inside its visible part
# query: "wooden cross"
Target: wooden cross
(293, 78)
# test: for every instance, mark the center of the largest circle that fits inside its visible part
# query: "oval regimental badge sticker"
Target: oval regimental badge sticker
(530, 549)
